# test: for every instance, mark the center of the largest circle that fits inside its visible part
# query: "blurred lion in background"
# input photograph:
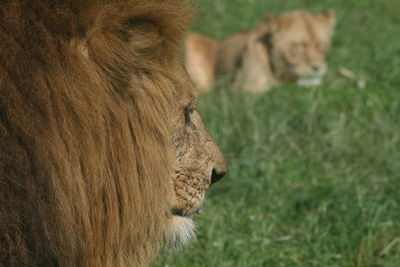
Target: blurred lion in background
(103, 156)
(286, 48)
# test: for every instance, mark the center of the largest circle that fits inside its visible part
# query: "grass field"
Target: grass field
(314, 173)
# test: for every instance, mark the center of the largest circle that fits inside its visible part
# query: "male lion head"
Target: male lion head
(198, 164)
(103, 156)
(298, 42)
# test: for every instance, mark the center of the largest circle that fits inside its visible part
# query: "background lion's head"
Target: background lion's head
(298, 42)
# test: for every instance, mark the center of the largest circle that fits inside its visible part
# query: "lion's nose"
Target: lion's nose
(316, 68)
(217, 175)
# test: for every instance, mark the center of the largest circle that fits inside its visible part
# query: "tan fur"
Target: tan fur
(99, 140)
(289, 47)
(200, 59)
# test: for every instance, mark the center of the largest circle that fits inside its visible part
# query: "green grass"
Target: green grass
(314, 174)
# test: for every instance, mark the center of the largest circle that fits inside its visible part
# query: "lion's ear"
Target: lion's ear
(170, 18)
(143, 33)
(328, 18)
(272, 22)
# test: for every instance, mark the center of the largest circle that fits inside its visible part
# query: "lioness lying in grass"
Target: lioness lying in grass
(290, 48)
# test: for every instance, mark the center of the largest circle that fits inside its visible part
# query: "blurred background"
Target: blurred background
(314, 173)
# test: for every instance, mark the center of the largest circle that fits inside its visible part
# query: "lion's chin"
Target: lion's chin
(180, 232)
(309, 81)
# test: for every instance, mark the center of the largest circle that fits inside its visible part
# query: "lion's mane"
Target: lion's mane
(86, 90)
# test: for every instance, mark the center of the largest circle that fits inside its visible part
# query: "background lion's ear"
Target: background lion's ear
(328, 18)
(272, 22)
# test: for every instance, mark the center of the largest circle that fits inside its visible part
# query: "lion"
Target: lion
(103, 156)
(288, 48)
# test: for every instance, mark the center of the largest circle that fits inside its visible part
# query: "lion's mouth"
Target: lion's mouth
(181, 213)
(309, 81)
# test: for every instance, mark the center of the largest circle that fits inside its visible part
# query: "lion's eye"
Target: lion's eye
(188, 114)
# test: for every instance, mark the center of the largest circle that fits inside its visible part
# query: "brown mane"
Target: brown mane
(86, 89)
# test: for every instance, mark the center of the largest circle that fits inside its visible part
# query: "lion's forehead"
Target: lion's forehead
(311, 32)
(303, 27)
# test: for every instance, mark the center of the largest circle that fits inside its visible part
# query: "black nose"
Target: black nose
(315, 68)
(216, 176)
